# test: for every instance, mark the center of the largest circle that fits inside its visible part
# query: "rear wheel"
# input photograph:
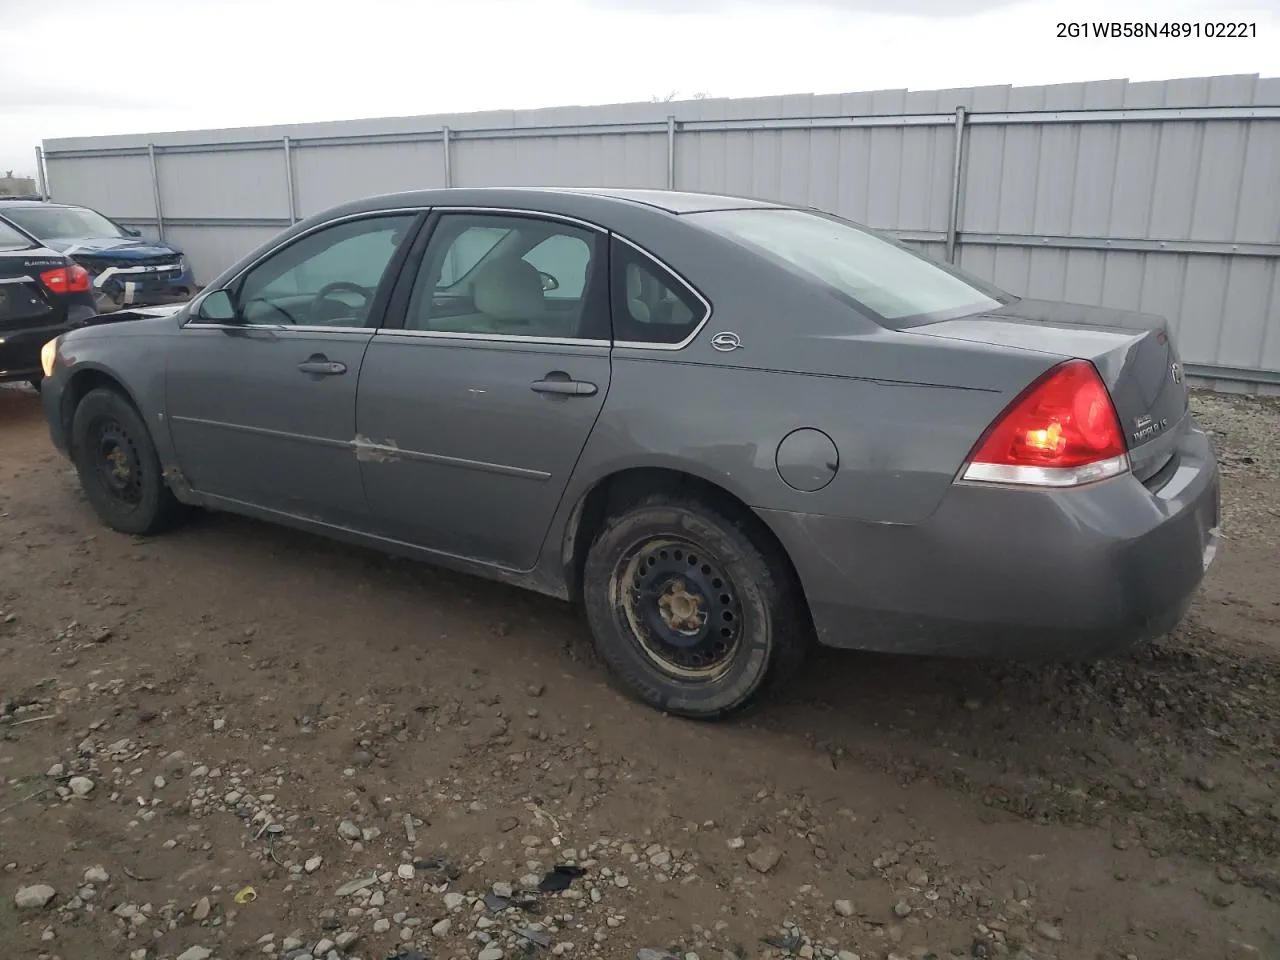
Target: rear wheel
(36, 383)
(118, 465)
(693, 612)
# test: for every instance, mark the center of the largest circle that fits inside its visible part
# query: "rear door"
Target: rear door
(262, 404)
(477, 398)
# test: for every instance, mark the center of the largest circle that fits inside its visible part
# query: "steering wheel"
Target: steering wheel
(339, 286)
(277, 308)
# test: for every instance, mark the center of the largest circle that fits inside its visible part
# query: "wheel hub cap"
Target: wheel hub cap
(118, 465)
(682, 608)
(120, 468)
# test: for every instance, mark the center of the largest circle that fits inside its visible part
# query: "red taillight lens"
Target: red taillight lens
(1062, 431)
(78, 279)
(72, 279)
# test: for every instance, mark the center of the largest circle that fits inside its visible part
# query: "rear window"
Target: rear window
(11, 239)
(881, 276)
(63, 223)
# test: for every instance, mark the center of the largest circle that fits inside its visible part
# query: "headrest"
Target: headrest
(509, 289)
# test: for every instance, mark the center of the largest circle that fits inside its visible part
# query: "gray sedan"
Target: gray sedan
(727, 427)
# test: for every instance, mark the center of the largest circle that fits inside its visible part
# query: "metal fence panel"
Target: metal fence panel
(1259, 191)
(327, 176)
(620, 160)
(1161, 196)
(233, 184)
(119, 186)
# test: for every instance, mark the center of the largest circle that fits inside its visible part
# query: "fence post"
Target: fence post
(40, 177)
(155, 189)
(288, 180)
(448, 159)
(671, 153)
(957, 183)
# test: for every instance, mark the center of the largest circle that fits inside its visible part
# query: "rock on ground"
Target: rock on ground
(765, 858)
(34, 897)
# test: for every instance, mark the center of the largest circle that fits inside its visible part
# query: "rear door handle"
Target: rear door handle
(565, 388)
(319, 367)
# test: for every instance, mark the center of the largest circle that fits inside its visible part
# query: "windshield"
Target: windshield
(63, 223)
(883, 277)
(11, 239)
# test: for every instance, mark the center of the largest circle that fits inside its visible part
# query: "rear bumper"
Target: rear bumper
(1021, 573)
(20, 349)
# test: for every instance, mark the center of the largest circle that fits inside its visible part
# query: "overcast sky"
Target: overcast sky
(87, 67)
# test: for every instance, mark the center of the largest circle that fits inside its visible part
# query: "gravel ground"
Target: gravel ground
(239, 741)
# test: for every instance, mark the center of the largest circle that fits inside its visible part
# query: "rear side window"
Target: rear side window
(11, 239)
(651, 306)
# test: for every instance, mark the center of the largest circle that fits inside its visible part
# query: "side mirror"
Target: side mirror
(218, 307)
(133, 231)
(548, 281)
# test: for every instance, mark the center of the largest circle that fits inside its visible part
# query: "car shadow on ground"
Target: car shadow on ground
(19, 404)
(1127, 743)
(838, 695)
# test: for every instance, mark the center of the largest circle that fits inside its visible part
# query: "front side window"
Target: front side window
(63, 223)
(881, 276)
(502, 275)
(650, 305)
(328, 278)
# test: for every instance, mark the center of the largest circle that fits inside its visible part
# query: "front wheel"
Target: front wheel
(118, 465)
(36, 383)
(695, 613)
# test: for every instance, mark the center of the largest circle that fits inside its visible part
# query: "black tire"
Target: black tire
(118, 465)
(744, 628)
(36, 383)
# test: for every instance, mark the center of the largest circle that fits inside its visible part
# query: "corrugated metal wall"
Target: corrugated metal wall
(1159, 196)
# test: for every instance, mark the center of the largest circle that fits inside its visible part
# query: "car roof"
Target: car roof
(669, 201)
(673, 201)
(13, 202)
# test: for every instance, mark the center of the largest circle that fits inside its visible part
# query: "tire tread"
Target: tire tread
(166, 511)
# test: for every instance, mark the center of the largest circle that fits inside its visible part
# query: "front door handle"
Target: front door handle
(565, 388)
(320, 367)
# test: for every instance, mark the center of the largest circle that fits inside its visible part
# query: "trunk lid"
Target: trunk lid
(1133, 352)
(24, 302)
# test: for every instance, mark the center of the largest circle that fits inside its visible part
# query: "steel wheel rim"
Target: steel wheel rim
(118, 464)
(683, 610)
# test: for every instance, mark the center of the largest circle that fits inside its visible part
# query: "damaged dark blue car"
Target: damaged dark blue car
(126, 269)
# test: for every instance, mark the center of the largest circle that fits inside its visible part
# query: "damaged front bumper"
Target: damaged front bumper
(142, 285)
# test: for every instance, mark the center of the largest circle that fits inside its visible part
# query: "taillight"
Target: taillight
(1062, 431)
(72, 279)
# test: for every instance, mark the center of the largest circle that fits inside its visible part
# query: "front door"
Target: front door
(261, 402)
(472, 414)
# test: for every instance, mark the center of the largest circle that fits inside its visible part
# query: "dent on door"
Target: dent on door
(279, 436)
(466, 448)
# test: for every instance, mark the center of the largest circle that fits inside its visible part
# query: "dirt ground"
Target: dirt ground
(235, 705)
